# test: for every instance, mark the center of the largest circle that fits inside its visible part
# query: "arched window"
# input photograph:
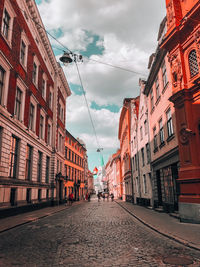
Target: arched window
(193, 64)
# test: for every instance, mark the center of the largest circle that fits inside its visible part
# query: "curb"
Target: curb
(174, 238)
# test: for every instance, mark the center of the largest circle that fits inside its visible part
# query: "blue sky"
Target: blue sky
(105, 31)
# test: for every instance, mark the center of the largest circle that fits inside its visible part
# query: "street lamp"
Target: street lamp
(68, 58)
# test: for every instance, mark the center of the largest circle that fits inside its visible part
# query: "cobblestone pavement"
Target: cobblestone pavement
(90, 234)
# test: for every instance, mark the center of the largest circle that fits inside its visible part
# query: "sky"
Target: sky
(120, 33)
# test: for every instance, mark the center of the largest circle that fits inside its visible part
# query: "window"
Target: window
(151, 98)
(60, 142)
(164, 75)
(141, 133)
(161, 132)
(6, 24)
(148, 153)
(7, 21)
(49, 130)
(193, 63)
(65, 152)
(142, 152)
(43, 88)
(169, 123)
(50, 99)
(39, 166)
(22, 53)
(2, 75)
(29, 158)
(24, 49)
(47, 169)
(13, 160)
(31, 117)
(145, 184)
(155, 139)
(61, 110)
(136, 165)
(18, 103)
(34, 72)
(41, 132)
(145, 127)
(44, 85)
(157, 89)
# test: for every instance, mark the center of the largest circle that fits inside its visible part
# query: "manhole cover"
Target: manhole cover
(177, 260)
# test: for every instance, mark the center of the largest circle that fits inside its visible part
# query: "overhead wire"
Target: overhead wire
(97, 61)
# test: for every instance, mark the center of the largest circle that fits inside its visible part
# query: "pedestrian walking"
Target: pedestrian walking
(71, 196)
(99, 196)
(88, 197)
(103, 197)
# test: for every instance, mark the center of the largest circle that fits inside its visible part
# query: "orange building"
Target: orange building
(182, 41)
(75, 167)
(125, 138)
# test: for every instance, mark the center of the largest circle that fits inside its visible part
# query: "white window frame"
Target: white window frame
(27, 43)
(44, 94)
(61, 114)
(42, 113)
(7, 67)
(51, 103)
(169, 121)
(144, 183)
(161, 131)
(60, 142)
(152, 98)
(20, 84)
(11, 12)
(37, 63)
(34, 103)
(49, 142)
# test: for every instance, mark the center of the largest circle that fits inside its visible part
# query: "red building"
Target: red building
(33, 92)
(182, 41)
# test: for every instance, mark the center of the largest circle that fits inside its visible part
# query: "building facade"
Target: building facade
(75, 167)
(163, 134)
(33, 92)
(141, 159)
(125, 154)
(182, 41)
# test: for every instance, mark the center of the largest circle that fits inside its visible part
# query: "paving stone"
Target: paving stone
(91, 234)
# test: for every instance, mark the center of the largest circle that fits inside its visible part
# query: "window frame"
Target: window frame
(9, 9)
(25, 40)
(22, 87)
(170, 129)
(39, 166)
(29, 162)
(14, 157)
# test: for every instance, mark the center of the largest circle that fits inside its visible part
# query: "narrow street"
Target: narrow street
(89, 234)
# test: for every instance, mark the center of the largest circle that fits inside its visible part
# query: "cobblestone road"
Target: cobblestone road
(89, 234)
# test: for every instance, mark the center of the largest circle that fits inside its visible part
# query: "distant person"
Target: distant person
(99, 196)
(112, 196)
(103, 197)
(88, 197)
(71, 196)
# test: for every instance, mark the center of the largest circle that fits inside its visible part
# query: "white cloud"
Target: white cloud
(128, 32)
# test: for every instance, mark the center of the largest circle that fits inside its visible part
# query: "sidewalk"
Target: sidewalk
(23, 218)
(184, 233)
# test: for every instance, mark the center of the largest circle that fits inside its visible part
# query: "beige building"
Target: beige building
(33, 92)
